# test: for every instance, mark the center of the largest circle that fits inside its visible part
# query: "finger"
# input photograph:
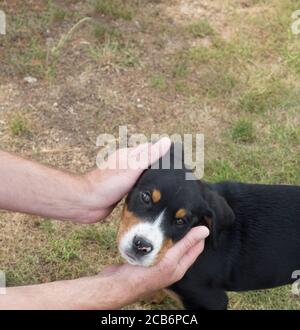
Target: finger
(138, 149)
(158, 150)
(148, 153)
(192, 238)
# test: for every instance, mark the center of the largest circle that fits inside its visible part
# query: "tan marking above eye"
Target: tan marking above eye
(156, 196)
(180, 213)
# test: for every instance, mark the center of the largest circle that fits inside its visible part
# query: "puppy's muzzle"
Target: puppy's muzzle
(141, 246)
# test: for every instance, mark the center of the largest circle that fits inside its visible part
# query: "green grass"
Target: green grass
(235, 80)
(253, 101)
(47, 225)
(221, 51)
(60, 250)
(270, 95)
(201, 29)
(100, 32)
(286, 135)
(31, 61)
(18, 125)
(57, 14)
(158, 81)
(180, 70)
(105, 236)
(217, 83)
(114, 8)
(280, 298)
(243, 131)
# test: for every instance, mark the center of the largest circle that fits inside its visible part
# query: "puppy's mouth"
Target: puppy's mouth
(140, 241)
(140, 249)
(131, 258)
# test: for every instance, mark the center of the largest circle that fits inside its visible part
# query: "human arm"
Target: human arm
(29, 187)
(115, 287)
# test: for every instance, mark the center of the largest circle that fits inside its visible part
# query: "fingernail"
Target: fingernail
(203, 231)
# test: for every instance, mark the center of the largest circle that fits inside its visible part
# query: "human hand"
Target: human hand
(106, 187)
(115, 287)
(132, 283)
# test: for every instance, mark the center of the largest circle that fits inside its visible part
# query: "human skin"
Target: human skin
(30, 187)
(33, 188)
(115, 287)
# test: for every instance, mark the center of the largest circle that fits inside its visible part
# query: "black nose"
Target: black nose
(141, 246)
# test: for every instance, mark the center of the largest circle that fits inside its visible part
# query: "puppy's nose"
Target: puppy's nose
(141, 246)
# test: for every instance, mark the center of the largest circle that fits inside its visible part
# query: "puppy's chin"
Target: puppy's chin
(147, 261)
(139, 263)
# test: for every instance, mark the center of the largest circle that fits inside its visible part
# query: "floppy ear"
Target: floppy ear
(218, 215)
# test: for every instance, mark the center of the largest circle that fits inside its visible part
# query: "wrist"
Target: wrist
(88, 206)
(103, 292)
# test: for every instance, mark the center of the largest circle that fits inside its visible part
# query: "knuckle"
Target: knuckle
(179, 274)
(166, 266)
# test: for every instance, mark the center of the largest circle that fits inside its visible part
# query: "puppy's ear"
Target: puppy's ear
(218, 215)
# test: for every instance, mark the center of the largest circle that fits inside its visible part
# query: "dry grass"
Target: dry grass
(227, 69)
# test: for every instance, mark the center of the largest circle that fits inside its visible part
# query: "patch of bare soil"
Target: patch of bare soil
(217, 13)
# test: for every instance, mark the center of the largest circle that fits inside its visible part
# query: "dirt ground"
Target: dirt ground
(226, 69)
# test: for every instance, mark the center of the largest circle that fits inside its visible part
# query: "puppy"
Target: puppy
(254, 240)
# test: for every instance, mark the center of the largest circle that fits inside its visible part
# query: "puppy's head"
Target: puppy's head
(162, 207)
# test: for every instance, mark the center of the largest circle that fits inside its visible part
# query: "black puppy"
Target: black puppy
(254, 240)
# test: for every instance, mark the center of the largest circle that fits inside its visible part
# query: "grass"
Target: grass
(268, 95)
(114, 8)
(18, 125)
(31, 61)
(233, 76)
(217, 83)
(201, 29)
(62, 250)
(102, 33)
(104, 236)
(243, 131)
(57, 14)
(220, 51)
(158, 81)
(180, 70)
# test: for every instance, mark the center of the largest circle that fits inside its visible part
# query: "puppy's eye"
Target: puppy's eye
(146, 197)
(179, 222)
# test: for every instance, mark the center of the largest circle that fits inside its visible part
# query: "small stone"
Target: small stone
(30, 80)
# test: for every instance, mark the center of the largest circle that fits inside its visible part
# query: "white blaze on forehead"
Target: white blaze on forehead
(152, 232)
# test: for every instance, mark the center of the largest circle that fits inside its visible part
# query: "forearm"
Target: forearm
(116, 286)
(98, 292)
(33, 188)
